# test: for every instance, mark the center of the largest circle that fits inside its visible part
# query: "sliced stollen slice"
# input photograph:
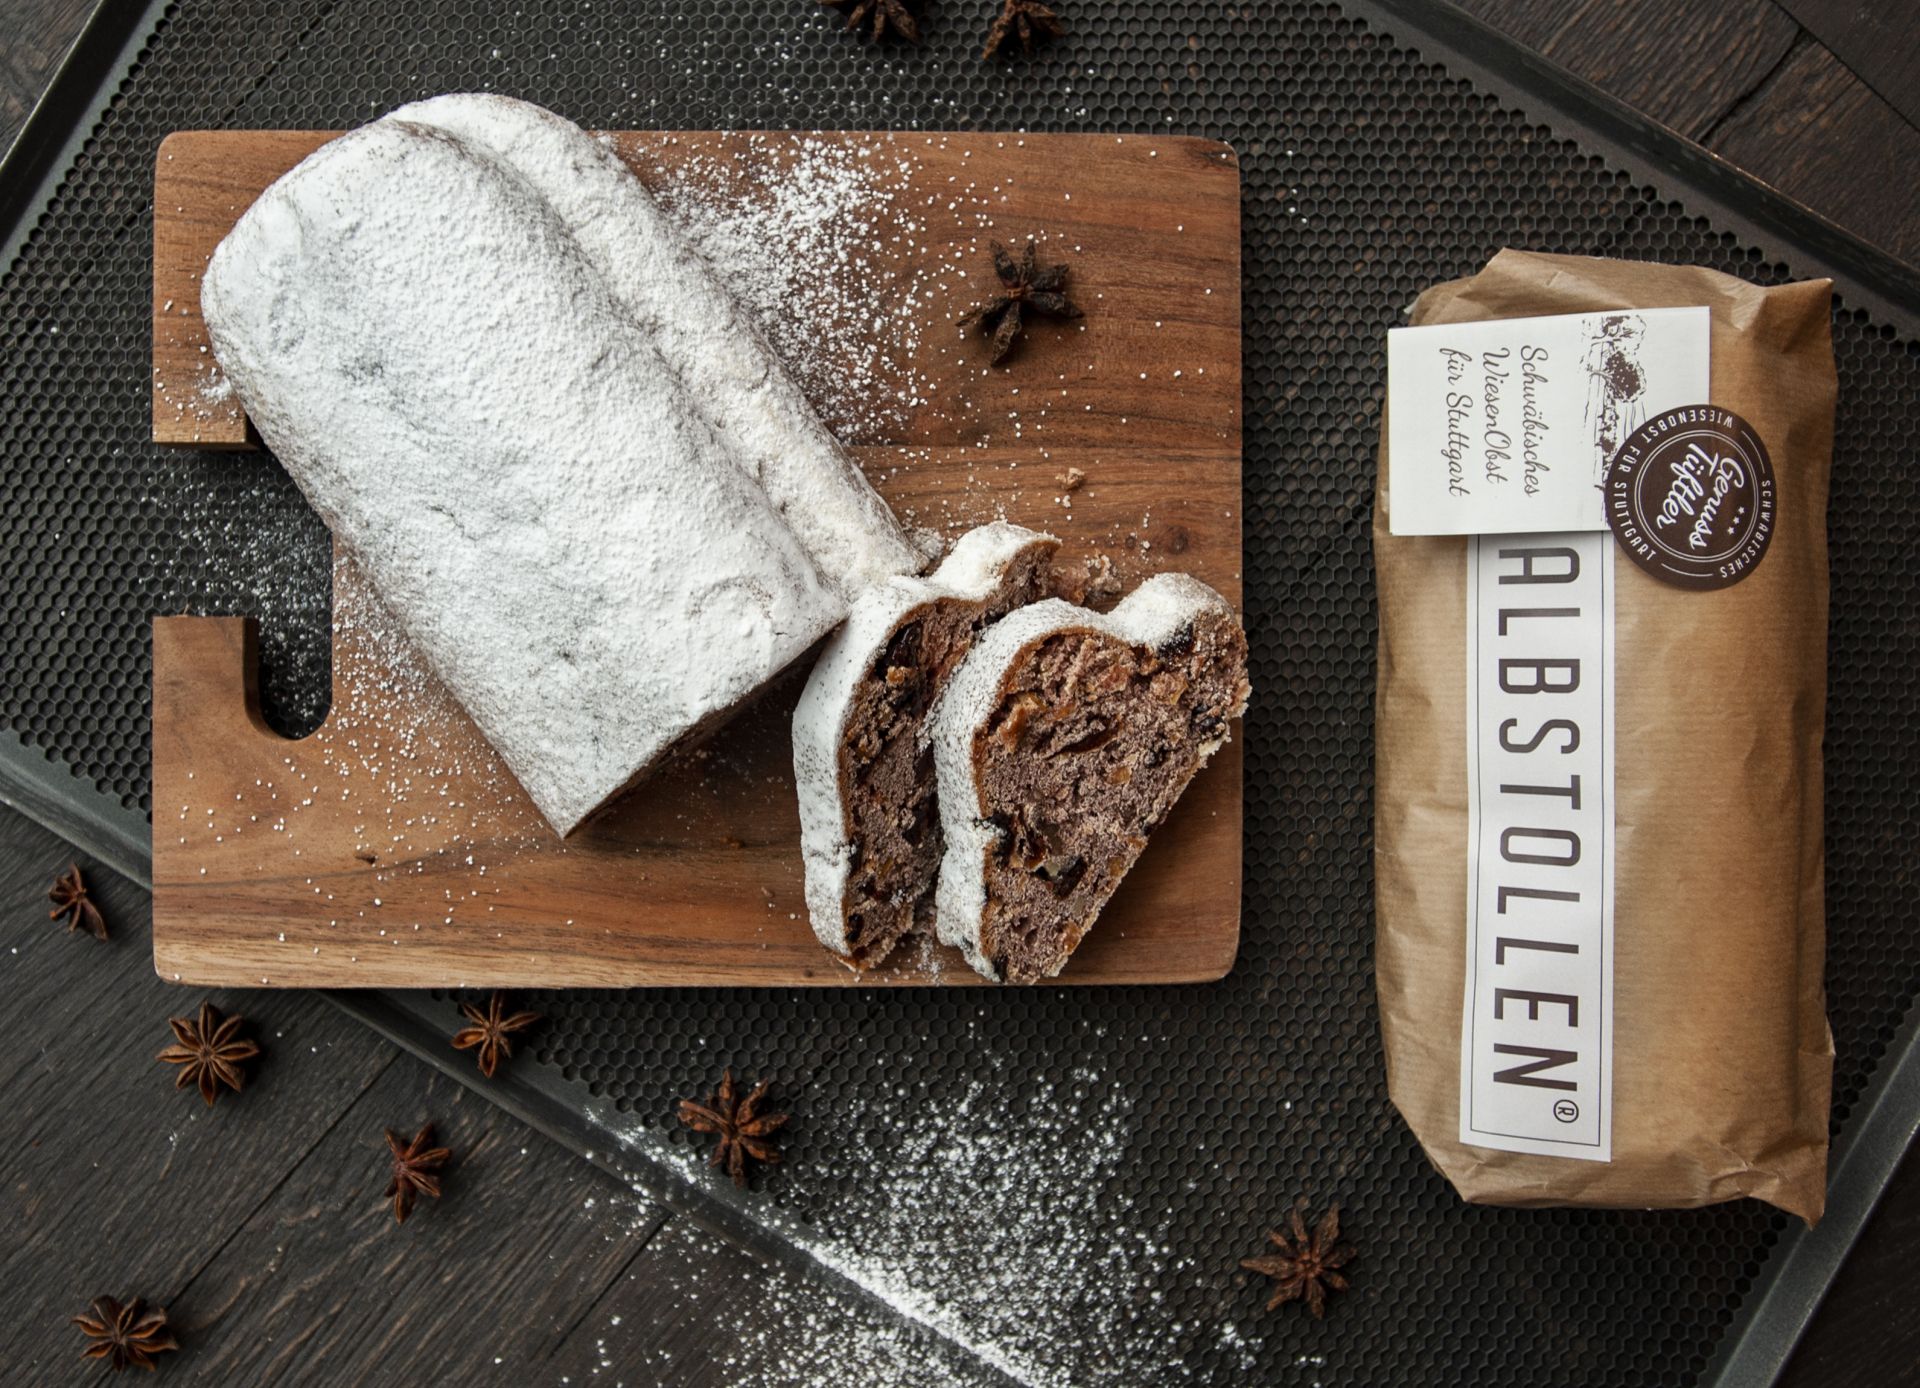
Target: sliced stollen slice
(489, 430)
(1059, 745)
(870, 837)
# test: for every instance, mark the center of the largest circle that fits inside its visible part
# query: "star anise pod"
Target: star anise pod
(1307, 1265)
(127, 1337)
(879, 16)
(744, 1131)
(1027, 20)
(414, 1168)
(209, 1052)
(490, 1031)
(70, 900)
(1026, 288)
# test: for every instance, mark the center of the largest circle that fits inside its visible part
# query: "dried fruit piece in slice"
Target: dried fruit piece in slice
(1060, 744)
(870, 835)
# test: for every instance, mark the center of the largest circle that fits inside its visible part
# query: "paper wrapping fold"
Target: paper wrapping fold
(1722, 1056)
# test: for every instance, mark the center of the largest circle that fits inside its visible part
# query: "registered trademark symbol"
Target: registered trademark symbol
(1566, 1110)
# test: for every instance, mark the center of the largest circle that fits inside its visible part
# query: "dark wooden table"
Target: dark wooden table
(270, 1241)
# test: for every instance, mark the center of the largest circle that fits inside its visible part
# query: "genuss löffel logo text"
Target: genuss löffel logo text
(1690, 497)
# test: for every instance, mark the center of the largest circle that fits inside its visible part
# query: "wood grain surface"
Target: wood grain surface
(1877, 41)
(391, 848)
(260, 1224)
(34, 36)
(1821, 134)
(1743, 79)
(1624, 47)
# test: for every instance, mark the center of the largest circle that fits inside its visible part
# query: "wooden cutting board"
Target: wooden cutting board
(391, 848)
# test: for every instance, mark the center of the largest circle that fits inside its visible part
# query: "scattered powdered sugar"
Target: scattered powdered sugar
(396, 764)
(776, 1329)
(985, 1210)
(242, 541)
(817, 238)
(992, 1233)
(215, 388)
(430, 785)
(202, 397)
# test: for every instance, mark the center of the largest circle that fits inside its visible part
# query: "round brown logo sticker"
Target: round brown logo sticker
(1690, 497)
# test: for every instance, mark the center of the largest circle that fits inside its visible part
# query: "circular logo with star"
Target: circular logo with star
(1690, 497)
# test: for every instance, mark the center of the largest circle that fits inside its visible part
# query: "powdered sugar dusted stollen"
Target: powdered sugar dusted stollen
(870, 838)
(703, 333)
(419, 337)
(1060, 744)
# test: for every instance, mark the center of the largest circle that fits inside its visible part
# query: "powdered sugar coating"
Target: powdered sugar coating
(703, 333)
(1152, 615)
(977, 565)
(422, 341)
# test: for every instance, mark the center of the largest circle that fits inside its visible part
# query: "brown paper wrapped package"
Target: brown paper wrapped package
(1722, 1056)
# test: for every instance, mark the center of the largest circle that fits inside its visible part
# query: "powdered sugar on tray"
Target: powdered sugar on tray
(771, 1328)
(246, 542)
(985, 1211)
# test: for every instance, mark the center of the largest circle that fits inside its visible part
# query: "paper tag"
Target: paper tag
(1536, 1039)
(1509, 426)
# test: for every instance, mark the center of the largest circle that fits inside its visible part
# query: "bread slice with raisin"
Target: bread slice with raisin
(1060, 744)
(870, 837)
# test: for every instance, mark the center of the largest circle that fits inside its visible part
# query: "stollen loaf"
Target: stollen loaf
(704, 334)
(498, 438)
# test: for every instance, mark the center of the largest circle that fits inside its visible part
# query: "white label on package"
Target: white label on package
(1509, 426)
(1536, 1040)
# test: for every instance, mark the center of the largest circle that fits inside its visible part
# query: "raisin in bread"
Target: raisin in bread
(497, 439)
(1059, 745)
(870, 836)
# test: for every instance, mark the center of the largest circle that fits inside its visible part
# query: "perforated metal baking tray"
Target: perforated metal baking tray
(1383, 147)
